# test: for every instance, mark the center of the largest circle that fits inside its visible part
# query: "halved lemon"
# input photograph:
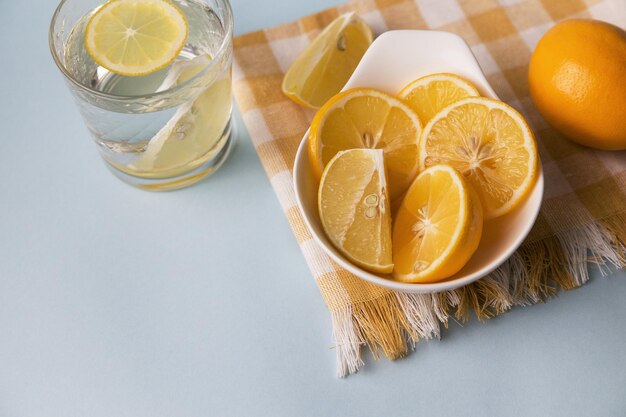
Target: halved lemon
(431, 94)
(437, 227)
(371, 119)
(491, 144)
(324, 67)
(136, 37)
(354, 208)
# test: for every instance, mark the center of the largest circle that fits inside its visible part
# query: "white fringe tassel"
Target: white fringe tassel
(590, 243)
(348, 341)
(420, 315)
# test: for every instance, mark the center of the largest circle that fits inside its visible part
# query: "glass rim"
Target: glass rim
(228, 26)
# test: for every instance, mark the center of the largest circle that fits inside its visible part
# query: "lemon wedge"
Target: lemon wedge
(194, 133)
(354, 208)
(324, 67)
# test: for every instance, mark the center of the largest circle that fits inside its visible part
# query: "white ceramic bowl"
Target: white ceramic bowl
(393, 60)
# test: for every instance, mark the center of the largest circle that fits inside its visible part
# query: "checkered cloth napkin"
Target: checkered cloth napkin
(583, 217)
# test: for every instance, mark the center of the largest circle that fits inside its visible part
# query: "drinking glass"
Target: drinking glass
(164, 130)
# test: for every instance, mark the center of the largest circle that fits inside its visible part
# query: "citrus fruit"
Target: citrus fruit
(354, 208)
(324, 67)
(576, 79)
(491, 144)
(367, 118)
(193, 134)
(135, 37)
(437, 227)
(430, 94)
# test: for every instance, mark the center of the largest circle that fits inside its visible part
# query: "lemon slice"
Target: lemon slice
(324, 67)
(430, 94)
(437, 227)
(367, 118)
(491, 144)
(136, 37)
(354, 209)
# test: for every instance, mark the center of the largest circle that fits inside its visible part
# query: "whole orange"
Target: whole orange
(577, 79)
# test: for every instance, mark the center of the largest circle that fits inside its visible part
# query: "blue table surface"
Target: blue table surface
(120, 302)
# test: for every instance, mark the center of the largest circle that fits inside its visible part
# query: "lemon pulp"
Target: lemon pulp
(136, 37)
(428, 95)
(491, 144)
(370, 119)
(354, 208)
(437, 227)
(324, 67)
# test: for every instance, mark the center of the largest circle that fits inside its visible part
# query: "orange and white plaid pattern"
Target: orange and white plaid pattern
(584, 207)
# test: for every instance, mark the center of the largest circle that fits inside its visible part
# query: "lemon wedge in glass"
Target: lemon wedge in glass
(194, 133)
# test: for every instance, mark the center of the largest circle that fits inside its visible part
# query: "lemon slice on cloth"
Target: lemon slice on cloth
(136, 37)
(370, 119)
(325, 66)
(354, 208)
(437, 227)
(431, 94)
(490, 143)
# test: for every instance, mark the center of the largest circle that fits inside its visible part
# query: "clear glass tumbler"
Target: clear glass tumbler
(164, 130)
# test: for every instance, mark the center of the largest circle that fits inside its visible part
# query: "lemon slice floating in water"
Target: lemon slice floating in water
(136, 37)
